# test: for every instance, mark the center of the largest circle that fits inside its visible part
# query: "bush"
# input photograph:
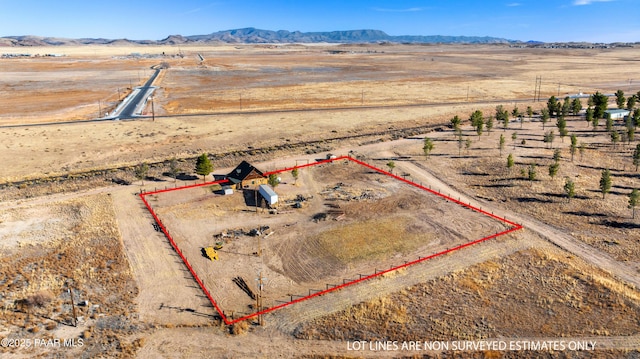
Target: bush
(239, 328)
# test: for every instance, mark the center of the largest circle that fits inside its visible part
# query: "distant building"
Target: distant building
(245, 176)
(617, 114)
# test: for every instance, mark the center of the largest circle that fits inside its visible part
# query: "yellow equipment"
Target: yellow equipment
(211, 253)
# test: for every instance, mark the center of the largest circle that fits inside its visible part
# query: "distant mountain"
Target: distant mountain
(253, 36)
(256, 36)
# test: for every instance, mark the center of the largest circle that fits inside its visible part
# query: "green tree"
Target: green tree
(531, 173)
(631, 134)
(174, 168)
(502, 116)
(589, 116)
(544, 117)
(574, 146)
(576, 106)
(582, 149)
(600, 103)
(428, 147)
(295, 174)
(609, 122)
(529, 112)
(569, 188)
(501, 144)
(566, 106)
(636, 157)
(510, 161)
(636, 117)
(514, 137)
(634, 196)
(515, 112)
(631, 102)
(489, 124)
(561, 123)
(615, 138)
(549, 136)
(391, 166)
(557, 155)
(605, 182)
(467, 145)
(620, 99)
(203, 166)
(273, 180)
(552, 105)
(460, 144)
(477, 121)
(455, 122)
(553, 169)
(141, 171)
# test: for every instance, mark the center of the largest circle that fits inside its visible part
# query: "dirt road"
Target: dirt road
(199, 343)
(168, 294)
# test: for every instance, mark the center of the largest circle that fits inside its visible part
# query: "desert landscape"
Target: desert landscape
(74, 230)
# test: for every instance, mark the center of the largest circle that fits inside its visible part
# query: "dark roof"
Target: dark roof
(241, 172)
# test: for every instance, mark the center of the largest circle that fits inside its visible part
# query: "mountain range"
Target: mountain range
(257, 36)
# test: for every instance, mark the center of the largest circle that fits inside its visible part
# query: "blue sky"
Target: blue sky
(543, 20)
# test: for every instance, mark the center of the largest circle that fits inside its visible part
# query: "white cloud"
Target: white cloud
(588, 2)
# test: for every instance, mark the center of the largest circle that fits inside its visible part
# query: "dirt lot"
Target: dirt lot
(572, 273)
(349, 223)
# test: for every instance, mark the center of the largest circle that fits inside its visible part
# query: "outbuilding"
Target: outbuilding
(269, 194)
(617, 114)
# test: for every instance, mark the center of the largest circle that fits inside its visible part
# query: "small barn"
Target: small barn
(617, 114)
(245, 176)
(269, 194)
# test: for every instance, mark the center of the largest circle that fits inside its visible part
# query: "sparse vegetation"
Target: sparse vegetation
(141, 171)
(605, 182)
(634, 196)
(428, 146)
(569, 188)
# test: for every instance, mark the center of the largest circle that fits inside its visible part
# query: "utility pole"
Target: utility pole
(259, 298)
(536, 92)
(73, 306)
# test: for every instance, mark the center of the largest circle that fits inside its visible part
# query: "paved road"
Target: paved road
(132, 105)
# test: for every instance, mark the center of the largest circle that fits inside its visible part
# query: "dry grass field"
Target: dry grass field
(65, 244)
(573, 273)
(528, 294)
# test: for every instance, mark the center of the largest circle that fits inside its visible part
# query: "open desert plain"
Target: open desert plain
(398, 233)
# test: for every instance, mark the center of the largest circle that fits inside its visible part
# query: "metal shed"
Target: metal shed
(269, 194)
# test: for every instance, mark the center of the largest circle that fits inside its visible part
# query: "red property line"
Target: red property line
(338, 287)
